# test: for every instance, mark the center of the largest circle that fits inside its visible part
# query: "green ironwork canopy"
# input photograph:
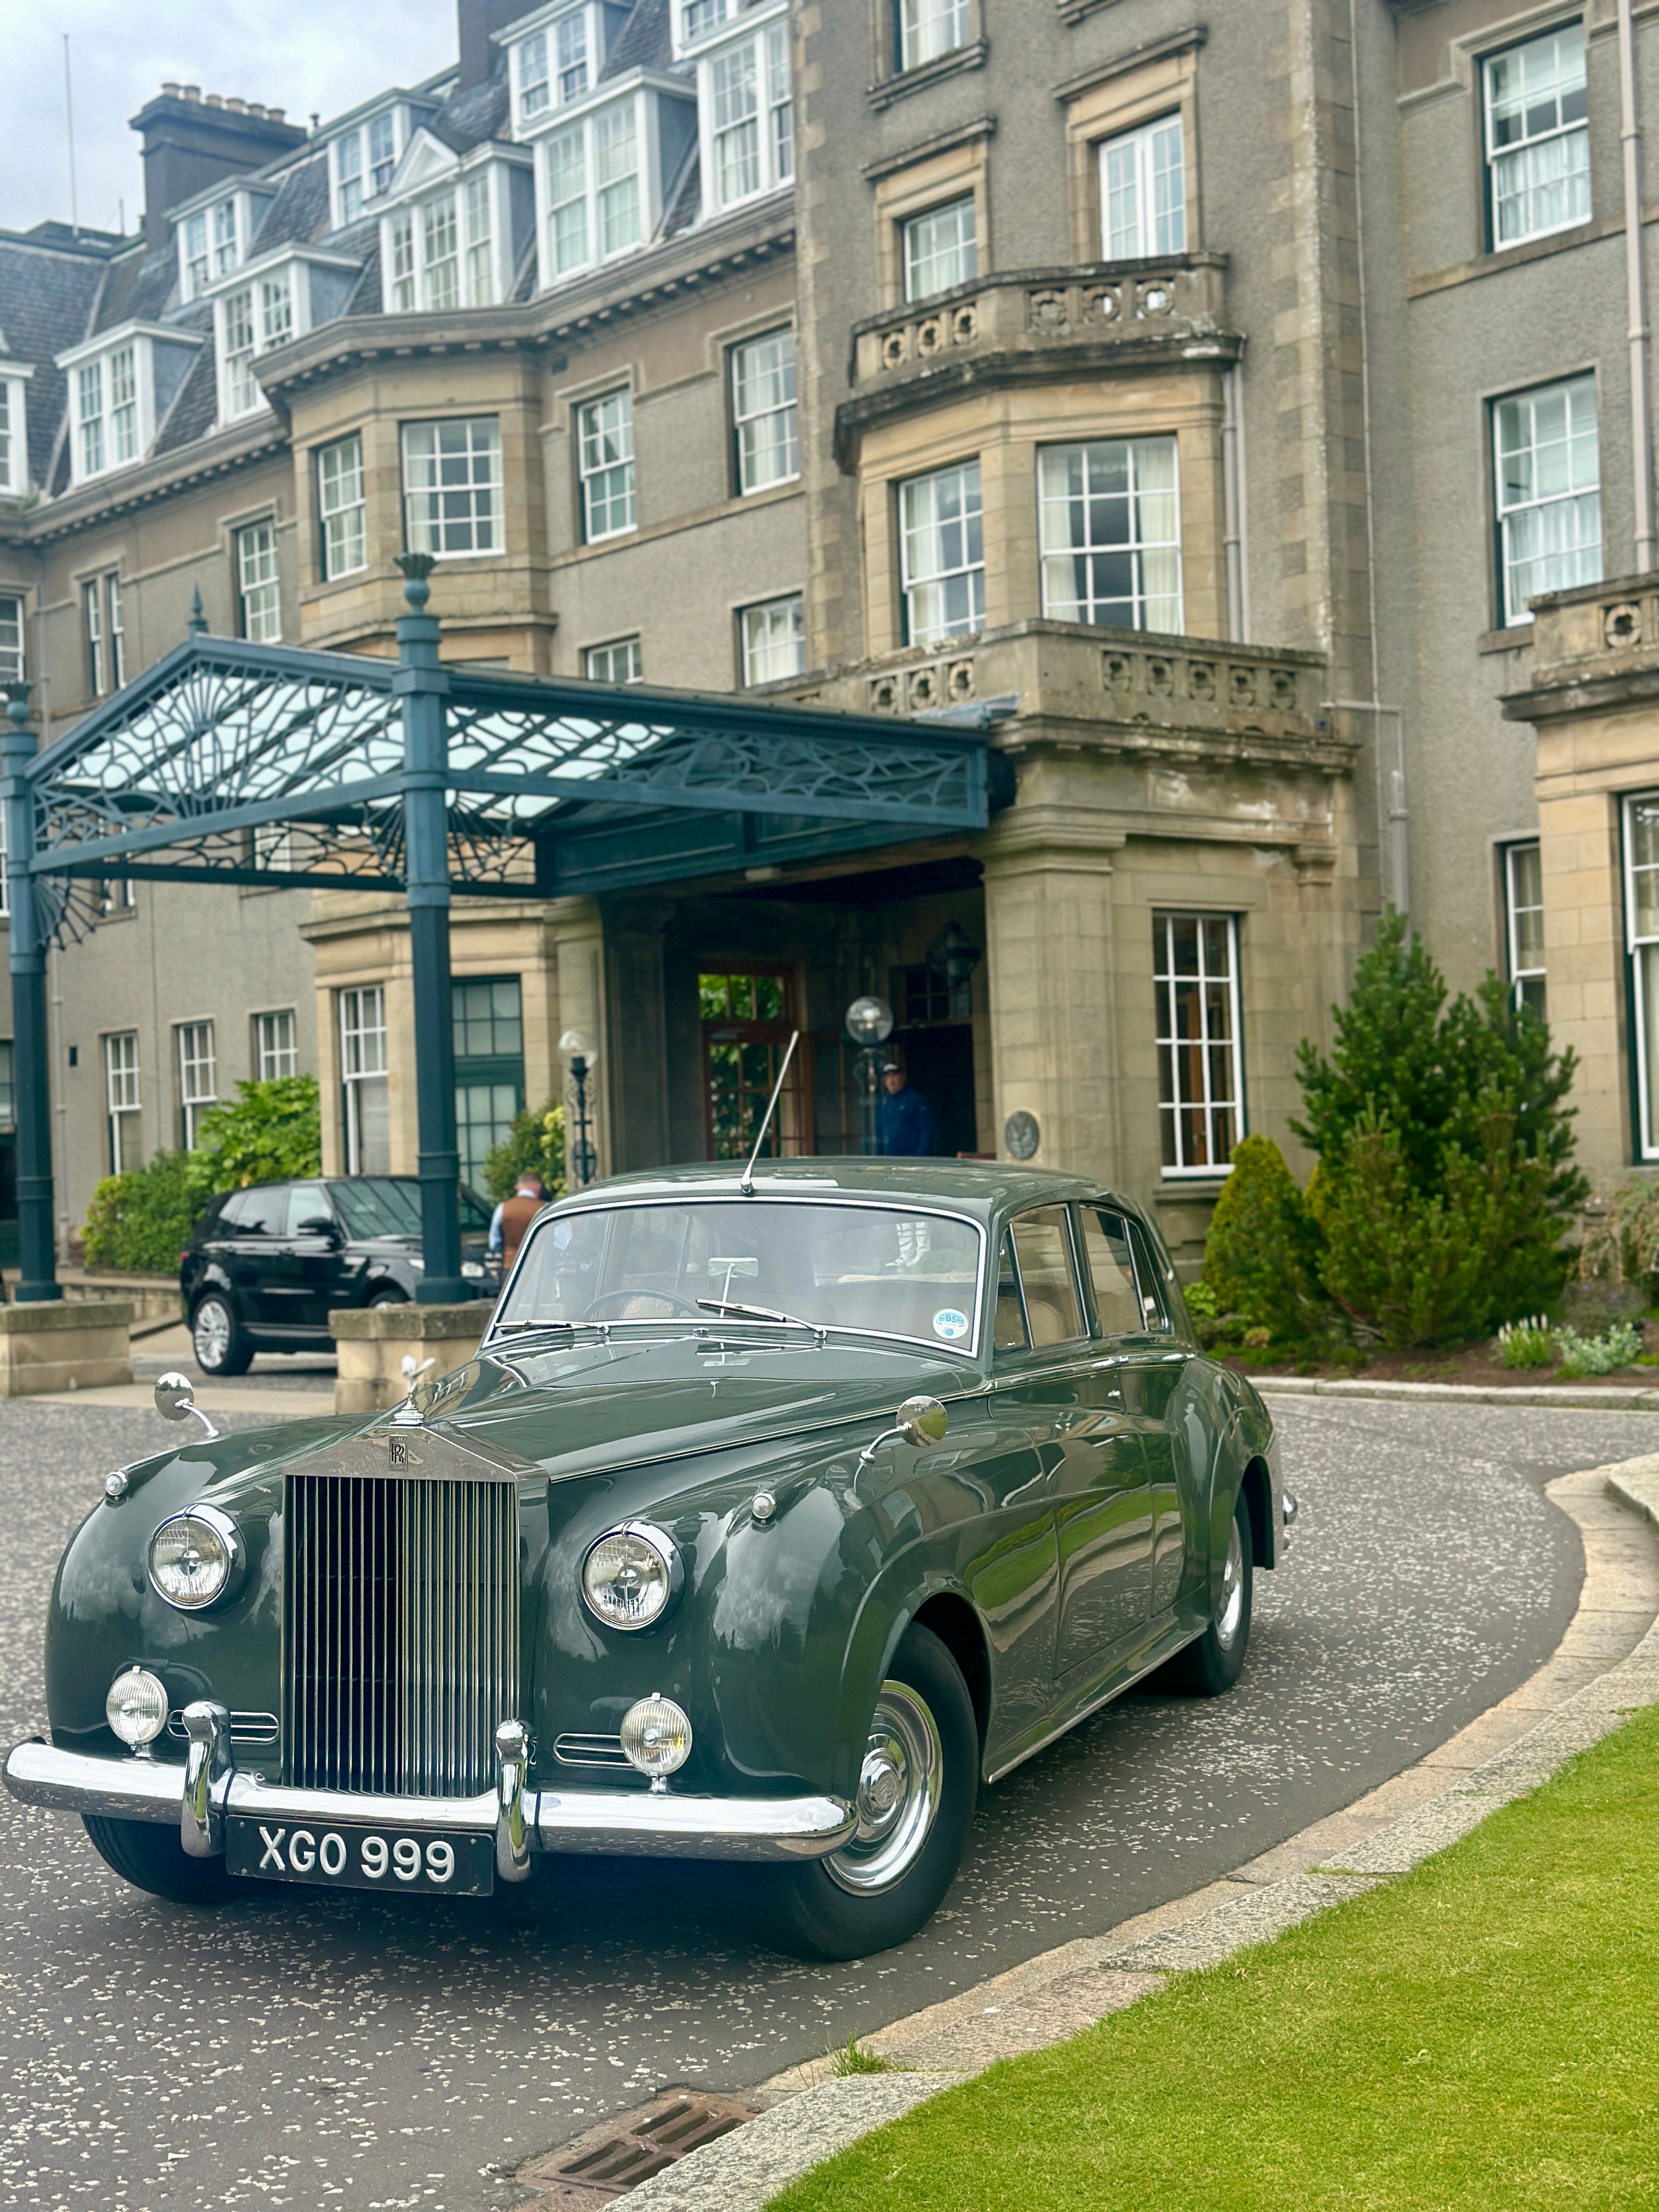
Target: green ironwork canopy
(269, 764)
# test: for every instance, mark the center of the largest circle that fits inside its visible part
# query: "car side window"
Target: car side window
(1011, 1332)
(1154, 1300)
(224, 1223)
(1042, 1248)
(1110, 1261)
(307, 1205)
(264, 1212)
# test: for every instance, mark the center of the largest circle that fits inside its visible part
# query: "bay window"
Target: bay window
(1143, 192)
(452, 486)
(1548, 493)
(1110, 532)
(1200, 1073)
(1537, 132)
(942, 544)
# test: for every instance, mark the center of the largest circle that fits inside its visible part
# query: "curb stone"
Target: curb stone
(1594, 1397)
(1063, 1991)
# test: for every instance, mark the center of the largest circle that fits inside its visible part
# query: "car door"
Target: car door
(262, 1266)
(1154, 1369)
(1098, 1481)
(316, 1242)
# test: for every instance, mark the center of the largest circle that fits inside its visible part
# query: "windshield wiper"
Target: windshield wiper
(759, 1313)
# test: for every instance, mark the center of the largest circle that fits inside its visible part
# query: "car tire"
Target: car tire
(388, 1298)
(1210, 1667)
(151, 1857)
(221, 1345)
(888, 1882)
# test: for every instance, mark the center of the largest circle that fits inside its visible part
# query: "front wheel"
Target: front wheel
(151, 1857)
(1210, 1667)
(915, 1801)
(220, 1342)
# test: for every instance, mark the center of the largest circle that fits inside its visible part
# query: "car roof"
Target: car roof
(985, 1189)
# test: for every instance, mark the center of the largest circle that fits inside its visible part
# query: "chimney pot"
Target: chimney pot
(275, 115)
(172, 91)
(214, 99)
(236, 107)
(192, 91)
(256, 107)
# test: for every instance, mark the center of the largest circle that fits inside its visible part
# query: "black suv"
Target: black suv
(263, 1266)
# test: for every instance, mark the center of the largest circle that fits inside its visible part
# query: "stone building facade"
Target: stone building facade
(1196, 404)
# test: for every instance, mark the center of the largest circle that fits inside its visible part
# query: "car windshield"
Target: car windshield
(864, 1267)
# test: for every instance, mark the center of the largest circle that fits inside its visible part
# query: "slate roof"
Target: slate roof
(48, 298)
(646, 42)
(298, 213)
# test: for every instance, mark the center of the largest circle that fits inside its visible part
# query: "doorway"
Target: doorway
(748, 1019)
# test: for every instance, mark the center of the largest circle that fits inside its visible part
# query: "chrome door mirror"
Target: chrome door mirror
(175, 1400)
(924, 1421)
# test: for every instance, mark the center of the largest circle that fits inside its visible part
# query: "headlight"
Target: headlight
(474, 1270)
(193, 1556)
(631, 1576)
(656, 1735)
(136, 1707)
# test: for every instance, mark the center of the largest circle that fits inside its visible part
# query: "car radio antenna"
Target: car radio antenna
(746, 1179)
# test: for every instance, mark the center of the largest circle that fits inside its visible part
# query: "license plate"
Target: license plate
(341, 1856)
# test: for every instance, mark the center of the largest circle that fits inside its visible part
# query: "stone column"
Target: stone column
(576, 930)
(1047, 927)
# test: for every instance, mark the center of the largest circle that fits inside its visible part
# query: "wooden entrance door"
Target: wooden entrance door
(748, 1019)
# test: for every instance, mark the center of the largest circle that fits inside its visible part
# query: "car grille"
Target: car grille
(403, 1632)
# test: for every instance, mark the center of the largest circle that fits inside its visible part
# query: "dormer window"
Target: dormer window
(595, 201)
(558, 58)
(213, 241)
(121, 385)
(697, 19)
(747, 106)
(456, 246)
(362, 161)
(14, 430)
(272, 302)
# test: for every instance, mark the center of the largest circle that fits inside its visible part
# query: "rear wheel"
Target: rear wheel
(221, 1345)
(1210, 1667)
(388, 1298)
(916, 1801)
(151, 1857)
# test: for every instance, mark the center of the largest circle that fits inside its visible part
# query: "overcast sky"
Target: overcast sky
(301, 55)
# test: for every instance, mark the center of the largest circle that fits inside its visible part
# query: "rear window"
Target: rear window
(377, 1206)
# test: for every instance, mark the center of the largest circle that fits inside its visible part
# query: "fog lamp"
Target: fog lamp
(193, 1556)
(631, 1576)
(656, 1737)
(136, 1707)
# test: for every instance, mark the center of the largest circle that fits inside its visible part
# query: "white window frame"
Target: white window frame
(276, 1045)
(112, 394)
(1523, 575)
(363, 1059)
(533, 78)
(616, 662)
(1522, 898)
(602, 199)
(774, 629)
(604, 458)
(198, 1076)
(1172, 1107)
(916, 582)
(748, 141)
(928, 29)
(122, 1103)
(258, 582)
(118, 632)
(470, 216)
(1562, 146)
(453, 486)
(1057, 513)
(558, 61)
(14, 430)
(1143, 191)
(764, 410)
(104, 633)
(1642, 947)
(13, 639)
(358, 158)
(933, 262)
(343, 520)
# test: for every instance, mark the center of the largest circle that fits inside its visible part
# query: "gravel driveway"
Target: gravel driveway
(302, 2049)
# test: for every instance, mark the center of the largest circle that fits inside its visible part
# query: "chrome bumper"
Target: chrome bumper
(522, 1820)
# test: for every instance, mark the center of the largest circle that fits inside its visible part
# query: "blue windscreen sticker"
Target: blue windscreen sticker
(950, 1324)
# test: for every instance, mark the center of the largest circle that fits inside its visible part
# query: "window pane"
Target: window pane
(257, 583)
(340, 498)
(928, 28)
(1010, 1332)
(619, 662)
(1143, 192)
(1111, 1272)
(1200, 1083)
(941, 248)
(1548, 492)
(773, 639)
(1111, 533)
(1043, 1246)
(764, 408)
(943, 553)
(1537, 138)
(452, 485)
(605, 444)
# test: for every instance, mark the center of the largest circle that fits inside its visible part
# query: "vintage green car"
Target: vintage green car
(777, 1513)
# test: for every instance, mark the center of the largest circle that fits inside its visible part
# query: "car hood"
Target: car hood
(593, 1406)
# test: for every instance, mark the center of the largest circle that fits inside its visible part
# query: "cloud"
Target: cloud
(306, 56)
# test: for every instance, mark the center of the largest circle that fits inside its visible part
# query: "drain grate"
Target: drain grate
(607, 2162)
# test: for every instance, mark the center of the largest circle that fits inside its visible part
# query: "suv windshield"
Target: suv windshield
(912, 1275)
(390, 1206)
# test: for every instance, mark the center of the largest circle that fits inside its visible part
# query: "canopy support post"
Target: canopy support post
(423, 688)
(32, 1070)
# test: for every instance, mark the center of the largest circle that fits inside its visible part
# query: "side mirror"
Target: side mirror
(175, 1400)
(923, 1420)
(320, 1225)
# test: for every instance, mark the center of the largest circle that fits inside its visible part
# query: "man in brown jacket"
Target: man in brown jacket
(514, 1217)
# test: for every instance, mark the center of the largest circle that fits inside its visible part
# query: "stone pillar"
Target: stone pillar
(578, 935)
(1047, 927)
(637, 1085)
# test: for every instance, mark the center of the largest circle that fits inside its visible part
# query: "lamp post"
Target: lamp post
(869, 1025)
(579, 1054)
(35, 1236)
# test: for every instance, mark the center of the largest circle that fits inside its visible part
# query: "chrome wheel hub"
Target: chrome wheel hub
(898, 1794)
(1231, 1611)
(212, 1333)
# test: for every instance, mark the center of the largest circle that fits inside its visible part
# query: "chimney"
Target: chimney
(190, 142)
(475, 20)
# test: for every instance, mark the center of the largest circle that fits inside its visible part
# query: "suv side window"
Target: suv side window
(308, 1202)
(1048, 1276)
(264, 1211)
(223, 1221)
(1111, 1267)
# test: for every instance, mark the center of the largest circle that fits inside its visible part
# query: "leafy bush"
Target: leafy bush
(533, 1146)
(1621, 1241)
(1526, 1343)
(1262, 1255)
(137, 1224)
(1597, 1355)
(1202, 1304)
(268, 1132)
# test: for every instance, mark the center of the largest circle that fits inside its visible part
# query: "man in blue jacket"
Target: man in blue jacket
(904, 1122)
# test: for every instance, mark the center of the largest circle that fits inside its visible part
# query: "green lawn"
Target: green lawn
(1482, 2033)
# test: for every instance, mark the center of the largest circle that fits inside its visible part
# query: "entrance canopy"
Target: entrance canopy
(233, 763)
(243, 764)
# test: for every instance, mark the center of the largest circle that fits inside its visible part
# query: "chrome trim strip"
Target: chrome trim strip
(630, 1824)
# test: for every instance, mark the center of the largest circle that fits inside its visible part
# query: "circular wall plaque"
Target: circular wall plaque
(1021, 1135)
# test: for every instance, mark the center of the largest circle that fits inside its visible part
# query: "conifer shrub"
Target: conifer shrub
(1262, 1255)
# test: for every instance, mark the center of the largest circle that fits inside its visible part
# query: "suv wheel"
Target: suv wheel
(219, 1340)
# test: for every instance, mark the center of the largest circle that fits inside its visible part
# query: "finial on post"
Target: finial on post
(199, 627)
(417, 568)
(17, 701)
